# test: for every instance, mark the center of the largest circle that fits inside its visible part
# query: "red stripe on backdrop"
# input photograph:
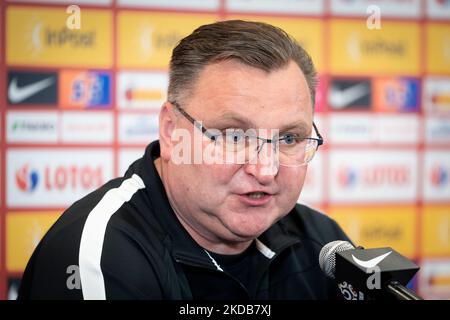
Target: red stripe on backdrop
(114, 94)
(420, 146)
(3, 276)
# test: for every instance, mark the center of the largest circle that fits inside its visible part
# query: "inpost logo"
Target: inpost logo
(152, 36)
(41, 36)
(386, 233)
(376, 46)
(392, 49)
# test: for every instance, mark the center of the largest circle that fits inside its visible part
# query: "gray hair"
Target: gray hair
(256, 44)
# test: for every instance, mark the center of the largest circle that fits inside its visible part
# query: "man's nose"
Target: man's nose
(264, 164)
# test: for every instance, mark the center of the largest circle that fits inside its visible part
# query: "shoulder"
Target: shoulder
(313, 225)
(101, 229)
(101, 203)
(114, 245)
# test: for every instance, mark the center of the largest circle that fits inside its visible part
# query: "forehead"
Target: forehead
(230, 90)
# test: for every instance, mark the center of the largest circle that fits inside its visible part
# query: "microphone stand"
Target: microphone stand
(400, 292)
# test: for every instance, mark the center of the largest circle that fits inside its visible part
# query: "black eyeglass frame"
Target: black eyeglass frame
(212, 137)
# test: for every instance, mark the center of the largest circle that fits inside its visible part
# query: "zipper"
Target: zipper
(186, 260)
(192, 263)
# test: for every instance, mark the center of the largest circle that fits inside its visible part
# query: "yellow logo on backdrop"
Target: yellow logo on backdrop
(391, 50)
(40, 36)
(307, 31)
(436, 231)
(438, 48)
(24, 230)
(374, 227)
(146, 40)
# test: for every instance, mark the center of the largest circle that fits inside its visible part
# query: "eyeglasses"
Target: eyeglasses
(235, 146)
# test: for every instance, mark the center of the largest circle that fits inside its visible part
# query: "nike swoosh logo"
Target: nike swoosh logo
(342, 98)
(372, 262)
(17, 94)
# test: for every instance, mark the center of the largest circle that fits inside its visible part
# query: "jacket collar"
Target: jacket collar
(183, 247)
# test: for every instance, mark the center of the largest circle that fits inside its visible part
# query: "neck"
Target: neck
(216, 245)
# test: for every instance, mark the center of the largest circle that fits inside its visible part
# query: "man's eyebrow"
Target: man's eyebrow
(240, 119)
(301, 125)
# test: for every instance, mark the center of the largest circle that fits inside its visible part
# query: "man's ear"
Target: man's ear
(167, 124)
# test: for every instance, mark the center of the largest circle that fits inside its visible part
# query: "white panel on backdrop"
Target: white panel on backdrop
(434, 278)
(438, 9)
(372, 128)
(77, 2)
(364, 175)
(312, 192)
(87, 127)
(138, 128)
(398, 129)
(127, 156)
(173, 4)
(55, 178)
(437, 176)
(437, 130)
(32, 127)
(312, 7)
(142, 90)
(388, 8)
(436, 96)
(350, 128)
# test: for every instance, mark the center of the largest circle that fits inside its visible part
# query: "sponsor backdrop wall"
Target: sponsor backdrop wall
(79, 105)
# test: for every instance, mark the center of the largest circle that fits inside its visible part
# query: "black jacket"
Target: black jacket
(123, 241)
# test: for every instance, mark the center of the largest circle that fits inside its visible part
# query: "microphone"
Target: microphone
(368, 274)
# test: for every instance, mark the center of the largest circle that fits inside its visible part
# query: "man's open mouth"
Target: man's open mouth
(256, 195)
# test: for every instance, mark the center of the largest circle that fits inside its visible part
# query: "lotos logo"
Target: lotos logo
(60, 178)
(439, 176)
(347, 177)
(27, 179)
(389, 174)
(374, 176)
(444, 3)
(73, 177)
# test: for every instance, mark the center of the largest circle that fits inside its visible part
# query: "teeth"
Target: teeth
(256, 195)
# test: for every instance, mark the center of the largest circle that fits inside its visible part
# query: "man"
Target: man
(210, 210)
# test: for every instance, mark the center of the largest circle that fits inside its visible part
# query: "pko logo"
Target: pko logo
(347, 177)
(59, 178)
(27, 179)
(439, 176)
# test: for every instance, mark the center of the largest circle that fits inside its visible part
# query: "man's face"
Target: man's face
(222, 203)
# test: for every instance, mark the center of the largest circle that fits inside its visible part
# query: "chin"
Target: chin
(250, 229)
(250, 222)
